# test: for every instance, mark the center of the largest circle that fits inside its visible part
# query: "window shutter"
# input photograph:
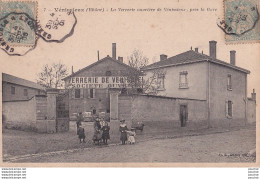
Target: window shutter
(73, 93)
(88, 92)
(85, 93)
(232, 108)
(226, 108)
(81, 93)
(94, 93)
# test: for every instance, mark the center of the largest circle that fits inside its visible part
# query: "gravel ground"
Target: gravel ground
(231, 146)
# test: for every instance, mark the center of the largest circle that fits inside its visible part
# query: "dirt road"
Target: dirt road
(221, 147)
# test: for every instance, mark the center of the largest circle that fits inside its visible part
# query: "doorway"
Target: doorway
(183, 115)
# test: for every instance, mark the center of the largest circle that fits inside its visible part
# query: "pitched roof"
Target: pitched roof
(190, 57)
(100, 61)
(19, 81)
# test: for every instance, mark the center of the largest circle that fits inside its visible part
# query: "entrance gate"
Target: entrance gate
(183, 115)
(62, 112)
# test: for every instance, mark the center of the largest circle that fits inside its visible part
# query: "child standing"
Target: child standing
(131, 137)
(105, 134)
(81, 134)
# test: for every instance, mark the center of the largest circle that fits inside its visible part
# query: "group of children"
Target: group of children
(101, 132)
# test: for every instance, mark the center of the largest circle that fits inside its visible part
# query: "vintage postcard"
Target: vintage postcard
(130, 83)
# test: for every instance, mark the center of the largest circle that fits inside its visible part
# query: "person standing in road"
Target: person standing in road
(79, 120)
(81, 134)
(123, 129)
(97, 131)
(131, 137)
(105, 133)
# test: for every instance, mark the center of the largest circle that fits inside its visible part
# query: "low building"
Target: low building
(28, 106)
(24, 103)
(18, 89)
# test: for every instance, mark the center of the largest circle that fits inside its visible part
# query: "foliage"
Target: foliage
(138, 79)
(52, 75)
(137, 59)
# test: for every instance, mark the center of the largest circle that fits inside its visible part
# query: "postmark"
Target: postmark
(20, 27)
(241, 21)
(54, 26)
(17, 33)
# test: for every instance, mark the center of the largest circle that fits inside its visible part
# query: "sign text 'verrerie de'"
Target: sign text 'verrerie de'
(99, 82)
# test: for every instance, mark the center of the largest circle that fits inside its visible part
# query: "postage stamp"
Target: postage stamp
(21, 26)
(241, 21)
(17, 26)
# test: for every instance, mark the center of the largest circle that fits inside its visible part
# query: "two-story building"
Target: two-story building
(195, 76)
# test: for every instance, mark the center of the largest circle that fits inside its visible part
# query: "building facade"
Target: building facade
(91, 89)
(18, 89)
(195, 76)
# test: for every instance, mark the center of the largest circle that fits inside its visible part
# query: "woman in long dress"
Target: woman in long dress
(123, 130)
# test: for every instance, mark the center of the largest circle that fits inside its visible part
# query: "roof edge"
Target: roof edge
(204, 60)
(99, 61)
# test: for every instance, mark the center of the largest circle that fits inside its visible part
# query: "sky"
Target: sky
(155, 33)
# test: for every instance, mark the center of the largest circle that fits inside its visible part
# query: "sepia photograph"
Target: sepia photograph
(140, 83)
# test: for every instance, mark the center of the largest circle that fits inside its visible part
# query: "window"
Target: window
(160, 82)
(123, 91)
(12, 90)
(229, 84)
(108, 73)
(183, 79)
(25, 92)
(229, 109)
(77, 93)
(92, 93)
(94, 111)
(139, 90)
(39, 92)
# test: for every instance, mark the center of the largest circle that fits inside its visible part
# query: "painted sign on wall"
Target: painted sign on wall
(99, 82)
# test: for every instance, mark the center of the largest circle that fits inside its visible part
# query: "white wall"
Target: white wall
(20, 113)
(197, 81)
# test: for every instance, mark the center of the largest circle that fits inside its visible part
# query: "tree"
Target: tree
(137, 60)
(138, 79)
(154, 82)
(52, 75)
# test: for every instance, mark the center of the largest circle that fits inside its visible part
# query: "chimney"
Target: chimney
(72, 70)
(114, 51)
(120, 59)
(197, 50)
(213, 49)
(163, 57)
(253, 95)
(98, 55)
(233, 57)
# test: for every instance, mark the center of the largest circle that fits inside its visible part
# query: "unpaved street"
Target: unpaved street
(221, 147)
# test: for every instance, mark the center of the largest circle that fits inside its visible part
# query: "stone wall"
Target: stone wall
(162, 113)
(20, 114)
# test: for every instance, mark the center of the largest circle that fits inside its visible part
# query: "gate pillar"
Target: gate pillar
(114, 105)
